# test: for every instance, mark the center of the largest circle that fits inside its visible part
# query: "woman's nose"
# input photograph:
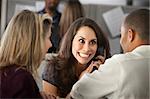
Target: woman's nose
(86, 47)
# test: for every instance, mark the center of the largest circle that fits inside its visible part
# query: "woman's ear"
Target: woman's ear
(131, 35)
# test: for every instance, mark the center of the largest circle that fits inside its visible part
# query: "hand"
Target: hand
(68, 96)
(99, 60)
(95, 63)
(47, 96)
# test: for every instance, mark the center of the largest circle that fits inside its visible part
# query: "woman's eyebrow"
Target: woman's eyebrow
(81, 37)
(85, 38)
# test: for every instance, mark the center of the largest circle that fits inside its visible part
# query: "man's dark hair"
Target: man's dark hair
(138, 21)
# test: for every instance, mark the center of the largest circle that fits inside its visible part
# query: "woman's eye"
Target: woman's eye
(81, 41)
(93, 42)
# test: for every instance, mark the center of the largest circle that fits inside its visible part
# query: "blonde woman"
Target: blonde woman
(23, 45)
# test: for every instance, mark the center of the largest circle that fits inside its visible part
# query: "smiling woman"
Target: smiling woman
(78, 48)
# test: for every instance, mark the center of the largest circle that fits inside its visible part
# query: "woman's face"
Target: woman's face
(48, 43)
(84, 45)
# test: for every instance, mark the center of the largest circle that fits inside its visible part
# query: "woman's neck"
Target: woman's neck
(79, 69)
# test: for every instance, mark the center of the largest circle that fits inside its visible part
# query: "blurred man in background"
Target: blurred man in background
(51, 9)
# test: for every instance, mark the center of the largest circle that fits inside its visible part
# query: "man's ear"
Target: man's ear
(131, 35)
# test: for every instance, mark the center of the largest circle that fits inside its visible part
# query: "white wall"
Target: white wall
(108, 2)
(3, 16)
(93, 8)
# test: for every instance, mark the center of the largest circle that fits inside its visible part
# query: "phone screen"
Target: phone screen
(100, 52)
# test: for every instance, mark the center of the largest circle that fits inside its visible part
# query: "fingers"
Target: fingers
(44, 96)
(100, 59)
(47, 96)
(90, 67)
(94, 65)
(52, 97)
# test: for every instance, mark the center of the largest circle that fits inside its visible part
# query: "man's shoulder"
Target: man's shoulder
(121, 57)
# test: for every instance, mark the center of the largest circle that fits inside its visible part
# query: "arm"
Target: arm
(49, 88)
(46, 96)
(99, 83)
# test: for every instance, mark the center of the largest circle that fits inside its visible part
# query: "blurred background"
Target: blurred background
(107, 13)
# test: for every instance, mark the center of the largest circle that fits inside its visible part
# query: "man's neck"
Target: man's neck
(138, 43)
(50, 12)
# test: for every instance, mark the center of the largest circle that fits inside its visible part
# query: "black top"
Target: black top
(53, 74)
(17, 82)
(55, 38)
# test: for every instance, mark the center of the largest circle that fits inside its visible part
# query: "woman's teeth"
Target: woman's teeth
(84, 55)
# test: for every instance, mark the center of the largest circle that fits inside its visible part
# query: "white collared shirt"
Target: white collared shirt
(124, 76)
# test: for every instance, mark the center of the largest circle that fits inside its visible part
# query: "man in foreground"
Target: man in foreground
(124, 76)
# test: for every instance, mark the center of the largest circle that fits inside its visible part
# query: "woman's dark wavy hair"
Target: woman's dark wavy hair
(66, 44)
(65, 52)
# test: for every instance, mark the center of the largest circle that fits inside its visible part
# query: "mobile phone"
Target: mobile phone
(94, 68)
(100, 52)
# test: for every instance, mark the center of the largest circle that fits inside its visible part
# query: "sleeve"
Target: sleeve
(26, 85)
(99, 83)
(49, 73)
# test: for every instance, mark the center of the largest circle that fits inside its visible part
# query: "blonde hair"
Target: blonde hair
(22, 43)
